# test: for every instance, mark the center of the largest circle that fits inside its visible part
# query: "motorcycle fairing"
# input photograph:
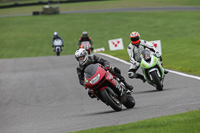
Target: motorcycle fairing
(152, 62)
(157, 68)
(57, 42)
(86, 45)
(91, 72)
(109, 77)
(149, 63)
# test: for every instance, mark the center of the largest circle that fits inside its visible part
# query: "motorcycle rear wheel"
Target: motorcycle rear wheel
(156, 80)
(130, 101)
(110, 100)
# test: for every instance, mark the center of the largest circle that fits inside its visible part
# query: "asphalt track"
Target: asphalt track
(43, 95)
(170, 8)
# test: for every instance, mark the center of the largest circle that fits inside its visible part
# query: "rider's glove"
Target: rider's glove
(137, 64)
(157, 54)
(107, 68)
(91, 94)
(132, 60)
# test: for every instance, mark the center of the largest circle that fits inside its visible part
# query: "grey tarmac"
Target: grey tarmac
(43, 95)
(140, 9)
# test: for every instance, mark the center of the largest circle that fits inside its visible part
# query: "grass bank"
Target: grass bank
(105, 4)
(30, 36)
(188, 122)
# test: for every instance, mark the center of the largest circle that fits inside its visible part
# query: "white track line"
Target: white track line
(171, 71)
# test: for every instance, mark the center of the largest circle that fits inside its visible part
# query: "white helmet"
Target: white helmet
(85, 33)
(55, 33)
(81, 56)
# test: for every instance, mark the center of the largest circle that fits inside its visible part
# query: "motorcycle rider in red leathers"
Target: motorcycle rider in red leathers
(134, 51)
(84, 60)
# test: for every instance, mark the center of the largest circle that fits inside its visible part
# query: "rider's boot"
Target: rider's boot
(140, 76)
(120, 88)
(122, 92)
(129, 87)
(165, 71)
(117, 73)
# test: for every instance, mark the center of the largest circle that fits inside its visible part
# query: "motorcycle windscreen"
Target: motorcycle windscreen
(146, 54)
(85, 44)
(91, 70)
(57, 42)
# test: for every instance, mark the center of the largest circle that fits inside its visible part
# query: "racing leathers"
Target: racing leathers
(134, 53)
(92, 59)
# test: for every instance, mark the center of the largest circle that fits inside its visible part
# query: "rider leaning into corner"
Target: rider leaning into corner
(56, 36)
(85, 37)
(84, 60)
(134, 51)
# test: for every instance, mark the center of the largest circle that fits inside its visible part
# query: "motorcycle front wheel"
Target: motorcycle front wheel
(57, 51)
(111, 100)
(156, 81)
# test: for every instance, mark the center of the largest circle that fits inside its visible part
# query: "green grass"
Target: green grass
(30, 36)
(102, 5)
(11, 2)
(188, 122)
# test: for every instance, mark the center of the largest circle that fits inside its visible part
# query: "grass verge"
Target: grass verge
(105, 4)
(30, 36)
(188, 122)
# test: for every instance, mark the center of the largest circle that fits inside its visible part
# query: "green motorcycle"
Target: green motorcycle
(152, 69)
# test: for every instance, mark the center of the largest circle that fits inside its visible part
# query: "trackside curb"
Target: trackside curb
(171, 71)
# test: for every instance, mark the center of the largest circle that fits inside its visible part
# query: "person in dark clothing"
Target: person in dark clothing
(84, 60)
(85, 37)
(56, 36)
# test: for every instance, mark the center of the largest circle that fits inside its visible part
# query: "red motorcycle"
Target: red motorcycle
(87, 46)
(104, 85)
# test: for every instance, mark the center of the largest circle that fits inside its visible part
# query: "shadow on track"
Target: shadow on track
(98, 113)
(105, 112)
(151, 91)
